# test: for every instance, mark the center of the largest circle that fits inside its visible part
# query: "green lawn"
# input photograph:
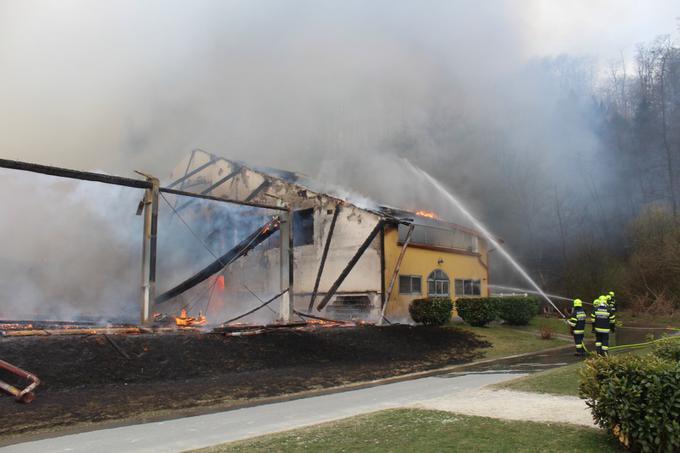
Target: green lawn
(558, 381)
(556, 325)
(428, 431)
(508, 341)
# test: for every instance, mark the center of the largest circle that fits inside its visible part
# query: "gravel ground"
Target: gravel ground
(512, 405)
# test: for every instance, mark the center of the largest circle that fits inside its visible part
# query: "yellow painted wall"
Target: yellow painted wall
(422, 261)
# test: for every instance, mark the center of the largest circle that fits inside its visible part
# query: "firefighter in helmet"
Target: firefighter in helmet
(601, 323)
(611, 301)
(577, 322)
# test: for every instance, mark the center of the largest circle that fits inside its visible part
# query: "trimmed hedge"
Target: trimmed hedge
(668, 349)
(516, 310)
(636, 398)
(434, 311)
(477, 311)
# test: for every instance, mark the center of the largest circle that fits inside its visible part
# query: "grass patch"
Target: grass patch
(427, 431)
(556, 325)
(507, 340)
(558, 381)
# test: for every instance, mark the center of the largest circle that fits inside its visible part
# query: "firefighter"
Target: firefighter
(600, 317)
(611, 300)
(577, 322)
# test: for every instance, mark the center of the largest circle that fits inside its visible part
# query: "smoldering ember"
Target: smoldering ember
(339, 226)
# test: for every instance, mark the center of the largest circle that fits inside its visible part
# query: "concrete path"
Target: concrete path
(206, 430)
(513, 405)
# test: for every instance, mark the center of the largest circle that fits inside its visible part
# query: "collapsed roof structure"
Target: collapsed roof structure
(337, 258)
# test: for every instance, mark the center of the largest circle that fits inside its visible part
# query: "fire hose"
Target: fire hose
(23, 396)
(638, 345)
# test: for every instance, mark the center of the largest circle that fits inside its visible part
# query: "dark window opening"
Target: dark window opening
(349, 307)
(303, 227)
(410, 284)
(468, 287)
(438, 284)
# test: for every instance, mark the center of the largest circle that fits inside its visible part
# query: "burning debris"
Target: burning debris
(427, 214)
(183, 320)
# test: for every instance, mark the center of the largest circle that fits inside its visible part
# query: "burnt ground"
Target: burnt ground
(86, 380)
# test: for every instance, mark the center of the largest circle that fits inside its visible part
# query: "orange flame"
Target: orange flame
(428, 214)
(183, 320)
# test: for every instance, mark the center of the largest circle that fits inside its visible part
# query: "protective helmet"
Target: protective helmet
(611, 293)
(596, 302)
(578, 303)
(603, 300)
(608, 297)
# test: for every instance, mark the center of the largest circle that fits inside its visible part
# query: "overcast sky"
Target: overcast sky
(117, 85)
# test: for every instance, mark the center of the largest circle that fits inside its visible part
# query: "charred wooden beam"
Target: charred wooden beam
(257, 190)
(318, 318)
(214, 186)
(350, 265)
(118, 181)
(322, 264)
(241, 249)
(221, 199)
(74, 174)
(264, 304)
(189, 174)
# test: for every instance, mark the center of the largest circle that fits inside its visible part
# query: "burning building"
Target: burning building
(343, 260)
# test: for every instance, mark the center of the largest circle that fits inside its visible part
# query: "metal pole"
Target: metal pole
(149, 247)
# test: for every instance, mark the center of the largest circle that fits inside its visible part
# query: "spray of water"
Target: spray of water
(480, 227)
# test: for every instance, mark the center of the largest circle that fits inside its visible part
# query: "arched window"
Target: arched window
(438, 284)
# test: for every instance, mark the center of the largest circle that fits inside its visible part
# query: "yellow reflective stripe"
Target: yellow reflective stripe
(579, 331)
(601, 330)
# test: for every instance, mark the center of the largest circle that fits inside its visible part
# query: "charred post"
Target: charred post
(324, 255)
(350, 265)
(149, 247)
(286, 263)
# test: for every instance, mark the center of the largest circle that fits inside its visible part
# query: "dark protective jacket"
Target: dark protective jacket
(577, 321)
(601, 318)
(612, 310)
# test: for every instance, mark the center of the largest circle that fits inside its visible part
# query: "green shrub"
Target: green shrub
(516, 310)
(668, 349)
(636, 398)
(431, 311)
(477, 311)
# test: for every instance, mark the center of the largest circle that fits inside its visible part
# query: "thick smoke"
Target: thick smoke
(469, 91)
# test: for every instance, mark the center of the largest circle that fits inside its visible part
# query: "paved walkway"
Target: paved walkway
(206, 430)
(513, 405)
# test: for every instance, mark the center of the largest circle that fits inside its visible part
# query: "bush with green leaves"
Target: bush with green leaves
(516, 310)
(477, 311)
(668, 349)
(435, 311)
(636, 398)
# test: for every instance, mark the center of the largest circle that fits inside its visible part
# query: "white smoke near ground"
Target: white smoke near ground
(473, 92)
